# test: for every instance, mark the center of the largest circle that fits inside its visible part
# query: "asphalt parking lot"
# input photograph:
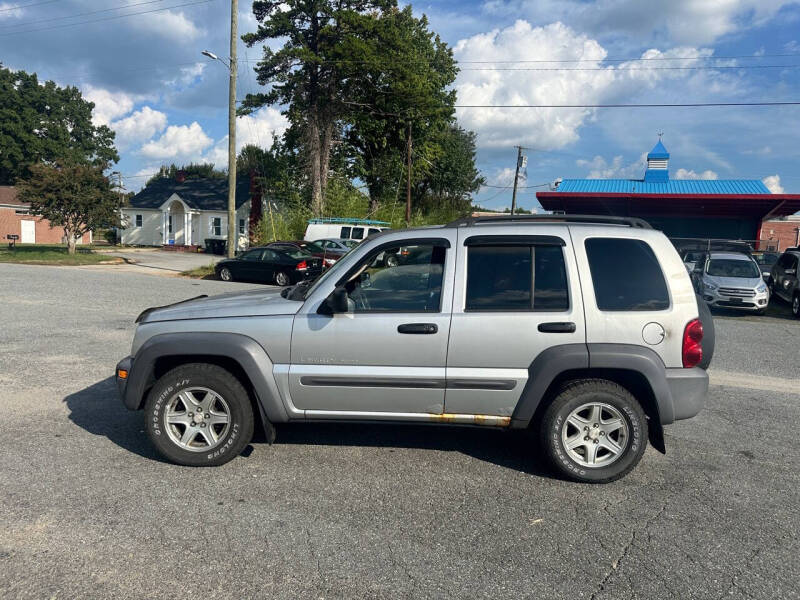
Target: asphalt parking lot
(358, 511)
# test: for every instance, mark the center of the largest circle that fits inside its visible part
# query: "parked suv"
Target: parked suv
(731, 280)
(783, 281)
(512, 322)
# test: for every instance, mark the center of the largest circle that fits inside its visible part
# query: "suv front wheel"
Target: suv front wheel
(199, 415)
(594, 431)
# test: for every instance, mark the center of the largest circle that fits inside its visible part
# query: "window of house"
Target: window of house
(516, 278)
(626, 275)
(138, 220)
(216, 226)
(22, 211)
(169, 224)
(241, 226)
(411, 284)
(345, 233)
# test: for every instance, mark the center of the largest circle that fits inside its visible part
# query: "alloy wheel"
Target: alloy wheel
(197, 419)
(595, 435)
(225, 274)
(281, 278)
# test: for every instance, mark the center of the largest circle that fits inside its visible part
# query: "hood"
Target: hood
(734, 282)
(255, 303)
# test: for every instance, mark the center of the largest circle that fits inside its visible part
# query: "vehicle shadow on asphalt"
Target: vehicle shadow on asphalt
(776, 310)
(97, 409)
(512, 449)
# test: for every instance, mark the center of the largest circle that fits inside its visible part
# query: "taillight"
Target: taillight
(692, 350)
(302, 266)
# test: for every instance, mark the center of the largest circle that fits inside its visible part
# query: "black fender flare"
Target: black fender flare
(570, 361)
(244, 350)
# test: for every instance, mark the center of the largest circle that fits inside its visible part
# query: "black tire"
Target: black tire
(392, 261)
(709, 334)
(571, 397)
(796, 305)
(225, 274)
(232, 439)
(771, 287)
(282, 278)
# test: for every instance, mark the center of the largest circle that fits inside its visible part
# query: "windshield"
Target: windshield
(349, 243)
(729, 267)
(335, 268)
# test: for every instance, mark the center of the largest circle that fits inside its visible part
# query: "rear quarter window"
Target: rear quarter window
(626, 275)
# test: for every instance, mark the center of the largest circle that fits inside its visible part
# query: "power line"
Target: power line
(21, 6)
(675, 105)
(75, 16)
(114, 17)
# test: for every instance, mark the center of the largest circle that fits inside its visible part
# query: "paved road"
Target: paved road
(167, 263)
(347, 511)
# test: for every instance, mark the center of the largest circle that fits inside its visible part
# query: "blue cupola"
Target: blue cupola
(657, 164)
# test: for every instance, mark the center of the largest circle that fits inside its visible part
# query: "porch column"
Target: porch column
(164, 226)
(187, 229)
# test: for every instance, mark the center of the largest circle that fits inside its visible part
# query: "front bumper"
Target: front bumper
(757, 302)
(689, 390)
(122, 375)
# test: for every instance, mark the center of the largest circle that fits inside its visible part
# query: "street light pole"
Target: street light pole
(232, 231)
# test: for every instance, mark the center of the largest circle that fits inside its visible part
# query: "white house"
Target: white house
(185, 212)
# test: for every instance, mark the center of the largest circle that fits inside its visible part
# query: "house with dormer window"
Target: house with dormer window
(186, 212)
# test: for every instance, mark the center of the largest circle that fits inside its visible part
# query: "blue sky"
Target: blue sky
(167, 103)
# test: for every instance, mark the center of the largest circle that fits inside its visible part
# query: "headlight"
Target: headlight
(761, 288)
(710, 286)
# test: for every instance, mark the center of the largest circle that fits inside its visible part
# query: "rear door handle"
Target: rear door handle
(418, 328)
(562, 327)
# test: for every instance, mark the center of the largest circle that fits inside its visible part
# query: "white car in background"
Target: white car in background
(343, 229)
(731, 280)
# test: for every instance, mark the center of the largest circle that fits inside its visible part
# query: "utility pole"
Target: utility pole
(516, 176)
(408, 176)
(233, 236)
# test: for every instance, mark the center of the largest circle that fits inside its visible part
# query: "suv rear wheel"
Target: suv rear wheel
(199, 415)
(594, 431)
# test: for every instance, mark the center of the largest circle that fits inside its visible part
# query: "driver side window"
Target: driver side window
(401, 278)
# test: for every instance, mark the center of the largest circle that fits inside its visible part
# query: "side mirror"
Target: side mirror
(336, 302)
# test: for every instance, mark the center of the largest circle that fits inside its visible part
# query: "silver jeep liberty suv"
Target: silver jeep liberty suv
(584, 330)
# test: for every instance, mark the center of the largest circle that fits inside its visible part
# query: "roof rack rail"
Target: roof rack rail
(347, 221)
(629, 221)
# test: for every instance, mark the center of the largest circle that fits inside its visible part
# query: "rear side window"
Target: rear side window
(345, 233)
(516, 278)
(626, 275)
(358, 233)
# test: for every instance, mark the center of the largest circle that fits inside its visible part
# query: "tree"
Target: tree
(399, 87)
(77, 197)
(190, 171)
(451, 177)
(308, 73)
(42, 122)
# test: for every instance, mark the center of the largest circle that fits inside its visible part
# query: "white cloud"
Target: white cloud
(179, 142)
(9, 11)
(188, 75)
(139, 126)
(600, 168)
(683, 21)
(590, 82)
(172, 25)
(773, 183)
(108, 105)
(258, 129)
(690, 174)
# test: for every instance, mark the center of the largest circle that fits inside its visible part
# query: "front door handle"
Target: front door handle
(562, 327)
(418, 328)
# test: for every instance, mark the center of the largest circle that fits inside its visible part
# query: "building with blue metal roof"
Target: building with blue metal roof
(689, 208)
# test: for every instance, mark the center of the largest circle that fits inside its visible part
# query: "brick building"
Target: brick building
(780, 234)
(16, 219)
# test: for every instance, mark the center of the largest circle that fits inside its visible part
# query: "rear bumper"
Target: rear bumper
(689, 390)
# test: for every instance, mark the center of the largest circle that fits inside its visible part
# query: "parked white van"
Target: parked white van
(345, 229)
